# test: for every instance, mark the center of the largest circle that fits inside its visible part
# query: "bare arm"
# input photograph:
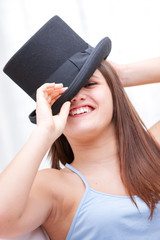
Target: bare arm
(139, 73)
(22, 201)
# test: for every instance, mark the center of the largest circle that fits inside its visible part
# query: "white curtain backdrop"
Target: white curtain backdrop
(133, 26)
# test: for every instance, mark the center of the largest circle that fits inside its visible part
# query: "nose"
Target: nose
(79, 97)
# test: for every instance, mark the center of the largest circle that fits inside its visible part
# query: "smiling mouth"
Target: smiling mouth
(80, 111)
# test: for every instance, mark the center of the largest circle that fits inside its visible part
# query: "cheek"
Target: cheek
(106, 111)
(106, 103)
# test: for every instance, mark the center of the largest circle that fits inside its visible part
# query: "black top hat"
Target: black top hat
(55, 54)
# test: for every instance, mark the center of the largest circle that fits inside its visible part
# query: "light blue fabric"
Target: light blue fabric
(102, 216)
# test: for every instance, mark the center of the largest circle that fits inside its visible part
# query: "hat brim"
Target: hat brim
(99, 53)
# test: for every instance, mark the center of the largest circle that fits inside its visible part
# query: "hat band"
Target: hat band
(69, 69)
(80, 58)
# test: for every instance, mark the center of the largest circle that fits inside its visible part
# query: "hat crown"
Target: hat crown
(43, 54)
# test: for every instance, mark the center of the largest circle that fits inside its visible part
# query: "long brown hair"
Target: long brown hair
(139, 153)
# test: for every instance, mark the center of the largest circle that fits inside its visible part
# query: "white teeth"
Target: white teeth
(80, 111)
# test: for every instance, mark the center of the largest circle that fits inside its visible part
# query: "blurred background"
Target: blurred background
(132, 25)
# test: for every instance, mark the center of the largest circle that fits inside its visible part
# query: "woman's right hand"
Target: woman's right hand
(47, 94)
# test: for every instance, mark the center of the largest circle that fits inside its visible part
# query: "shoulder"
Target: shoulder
(54, 177)
(61, 185)
(56, 183)
(155, 131)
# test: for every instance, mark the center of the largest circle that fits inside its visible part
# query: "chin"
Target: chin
(83, 133)
(87, 127)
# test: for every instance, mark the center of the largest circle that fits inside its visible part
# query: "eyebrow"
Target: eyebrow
(94, 76)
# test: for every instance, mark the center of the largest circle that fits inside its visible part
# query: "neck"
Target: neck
(98, 152)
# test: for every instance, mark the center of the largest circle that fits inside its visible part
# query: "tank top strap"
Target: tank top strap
(78, 173)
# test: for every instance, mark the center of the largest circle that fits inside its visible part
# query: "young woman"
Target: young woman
(110, 185)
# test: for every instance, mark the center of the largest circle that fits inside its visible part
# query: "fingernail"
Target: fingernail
(59, 84)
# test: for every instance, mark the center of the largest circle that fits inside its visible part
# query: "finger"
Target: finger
(52, 93)
(55, 96)
(53, 100)
(55, 90)
(54, 85)
(40, 93)
(50, 86)
(57, 93)
(58, 85)
(47, 85)
(64, 112)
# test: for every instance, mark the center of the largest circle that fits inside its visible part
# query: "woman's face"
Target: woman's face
(91, 109)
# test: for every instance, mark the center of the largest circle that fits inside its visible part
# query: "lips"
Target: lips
(80, 110)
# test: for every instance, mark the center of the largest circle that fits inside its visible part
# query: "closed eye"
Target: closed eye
(89, 84)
